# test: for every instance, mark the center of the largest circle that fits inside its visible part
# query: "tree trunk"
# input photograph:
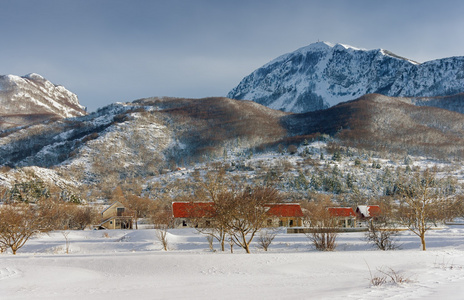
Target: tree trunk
(245, 245)
(422, 237)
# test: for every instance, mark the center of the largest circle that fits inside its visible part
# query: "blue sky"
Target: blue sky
(107, 51)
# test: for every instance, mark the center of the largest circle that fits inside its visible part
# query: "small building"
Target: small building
(116, 216)
(193, 214)
(285, 214)
(366, 213)
(345, 215)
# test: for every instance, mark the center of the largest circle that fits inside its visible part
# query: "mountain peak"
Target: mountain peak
(32, 94)
(34, 76)
(324, 74)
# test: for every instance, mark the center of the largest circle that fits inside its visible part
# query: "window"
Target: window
(120, 211)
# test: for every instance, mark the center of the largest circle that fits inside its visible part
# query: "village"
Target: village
(201, 214)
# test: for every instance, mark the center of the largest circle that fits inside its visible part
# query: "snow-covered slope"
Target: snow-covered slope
(322, 75)
(34, 95)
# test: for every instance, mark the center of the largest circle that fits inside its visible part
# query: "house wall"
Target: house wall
(187, 223)
(118, 223)
(347, 222)
(112, 210)
(284, 222)
(110, 224)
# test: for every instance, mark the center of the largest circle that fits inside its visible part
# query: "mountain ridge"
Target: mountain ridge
(322, 75)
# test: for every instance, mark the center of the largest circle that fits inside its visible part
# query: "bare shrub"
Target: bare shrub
(324, 227)
(381, 231)
(162, 236)
(66, 238)
(387, 275)
(265, 238)
(447, 265)
(395, 276)
(162, 220)
(323, 238)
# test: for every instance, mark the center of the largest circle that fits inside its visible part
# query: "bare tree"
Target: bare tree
(18, 224)
(139, 206)
(82, 216)
(216, 189)
(424, 203)
(247, 213)
(323, 226)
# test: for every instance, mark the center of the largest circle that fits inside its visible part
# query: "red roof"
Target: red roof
(193, 209)
(368, 211)
(374, 210)
(206, 210)
(341, 211)
(285, 210)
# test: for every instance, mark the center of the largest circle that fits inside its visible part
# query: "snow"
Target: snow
(339, 72)
(39, 95)
(130, 264)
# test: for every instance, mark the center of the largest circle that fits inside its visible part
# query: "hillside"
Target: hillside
(179, 131)
(380, 123)
(342, 150)
(141, 139)
(31, 99)
(322, 75)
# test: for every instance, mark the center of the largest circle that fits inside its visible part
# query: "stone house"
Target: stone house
(345, 215)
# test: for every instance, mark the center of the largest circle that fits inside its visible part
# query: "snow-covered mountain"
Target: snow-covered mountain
(32, 97)
(322, 75)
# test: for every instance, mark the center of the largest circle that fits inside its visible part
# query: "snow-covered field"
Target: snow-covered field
(131, 265)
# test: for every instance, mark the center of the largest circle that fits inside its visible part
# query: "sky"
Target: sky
(110, 51)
